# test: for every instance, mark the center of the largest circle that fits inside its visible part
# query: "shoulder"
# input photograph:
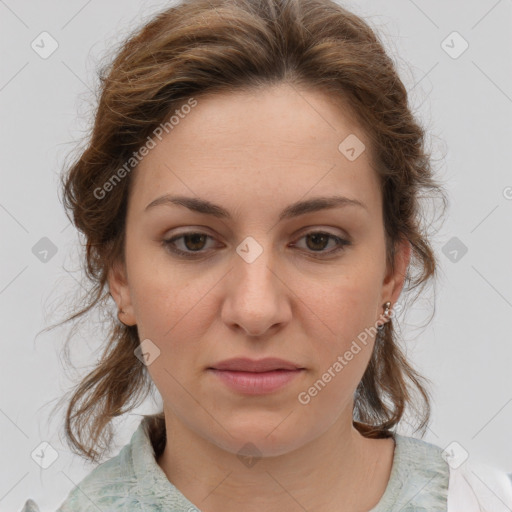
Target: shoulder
(443, 481)
(102, 487)
(106, 487)
(423, 474)
(112, 485)
(419, 478)
(132, 480)
(477, 487)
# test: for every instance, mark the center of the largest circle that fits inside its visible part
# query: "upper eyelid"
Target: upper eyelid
(301, 233)
(341, 239)
(205, 230)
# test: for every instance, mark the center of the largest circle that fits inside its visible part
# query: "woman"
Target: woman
(250, 200)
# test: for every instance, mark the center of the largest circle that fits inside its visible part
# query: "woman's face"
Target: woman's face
(258, 280)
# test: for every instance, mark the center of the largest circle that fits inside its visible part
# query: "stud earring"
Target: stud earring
(386, 306)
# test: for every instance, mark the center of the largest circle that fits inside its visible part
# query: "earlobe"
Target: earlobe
(120, 292)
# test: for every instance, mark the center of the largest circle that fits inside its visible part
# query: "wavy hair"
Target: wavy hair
(206, 46)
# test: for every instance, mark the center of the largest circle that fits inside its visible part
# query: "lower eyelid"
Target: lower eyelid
(169, 244)
(340, 242)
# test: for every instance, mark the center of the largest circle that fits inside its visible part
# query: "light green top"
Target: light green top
(133, 481)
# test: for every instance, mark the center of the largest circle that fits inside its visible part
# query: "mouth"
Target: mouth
(251, 377)
(244, 364)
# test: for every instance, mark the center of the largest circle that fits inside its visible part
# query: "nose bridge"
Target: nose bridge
(255, 300)
(253, 266)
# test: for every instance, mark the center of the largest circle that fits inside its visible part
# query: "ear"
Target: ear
(120, 291)
(395, 278)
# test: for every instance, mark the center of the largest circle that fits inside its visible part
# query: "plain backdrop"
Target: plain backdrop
(464, 99)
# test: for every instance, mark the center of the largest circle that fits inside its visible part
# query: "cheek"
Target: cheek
(343, 329)
(344, 306)
(342, 352)
(172, 308)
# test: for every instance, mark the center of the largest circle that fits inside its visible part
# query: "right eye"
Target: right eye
(192, 242)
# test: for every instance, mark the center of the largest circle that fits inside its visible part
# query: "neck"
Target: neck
(337, 470)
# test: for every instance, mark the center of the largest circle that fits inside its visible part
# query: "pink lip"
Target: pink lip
(256, 383)
(244, 364)
(255, 377)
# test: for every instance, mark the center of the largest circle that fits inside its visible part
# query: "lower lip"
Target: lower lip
(252, 383)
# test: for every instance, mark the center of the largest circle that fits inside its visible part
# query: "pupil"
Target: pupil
(194, 237)
(319, 241)
(316, 237)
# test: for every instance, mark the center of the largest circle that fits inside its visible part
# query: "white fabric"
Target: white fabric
(479, 488)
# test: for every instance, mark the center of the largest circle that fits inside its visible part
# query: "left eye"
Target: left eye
(320, 239)
(193, 243)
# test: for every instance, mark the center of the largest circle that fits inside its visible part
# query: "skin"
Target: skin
(254, 153)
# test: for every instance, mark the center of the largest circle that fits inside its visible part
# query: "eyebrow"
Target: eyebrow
(293, 210)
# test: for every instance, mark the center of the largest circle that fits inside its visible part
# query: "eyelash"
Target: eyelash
(169, 244)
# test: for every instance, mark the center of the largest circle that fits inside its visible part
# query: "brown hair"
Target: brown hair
(207, 46)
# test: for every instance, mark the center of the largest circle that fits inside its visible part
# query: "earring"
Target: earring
(386, 306)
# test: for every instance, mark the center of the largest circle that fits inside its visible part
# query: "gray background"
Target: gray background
(465, 102)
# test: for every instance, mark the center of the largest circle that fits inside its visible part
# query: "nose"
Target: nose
(257, 298)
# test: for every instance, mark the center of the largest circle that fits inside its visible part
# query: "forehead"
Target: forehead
(249, 144)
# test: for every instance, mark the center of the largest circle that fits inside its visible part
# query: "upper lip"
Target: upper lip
(244, 364)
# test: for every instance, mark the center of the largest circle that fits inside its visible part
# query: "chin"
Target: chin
(258, 440)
